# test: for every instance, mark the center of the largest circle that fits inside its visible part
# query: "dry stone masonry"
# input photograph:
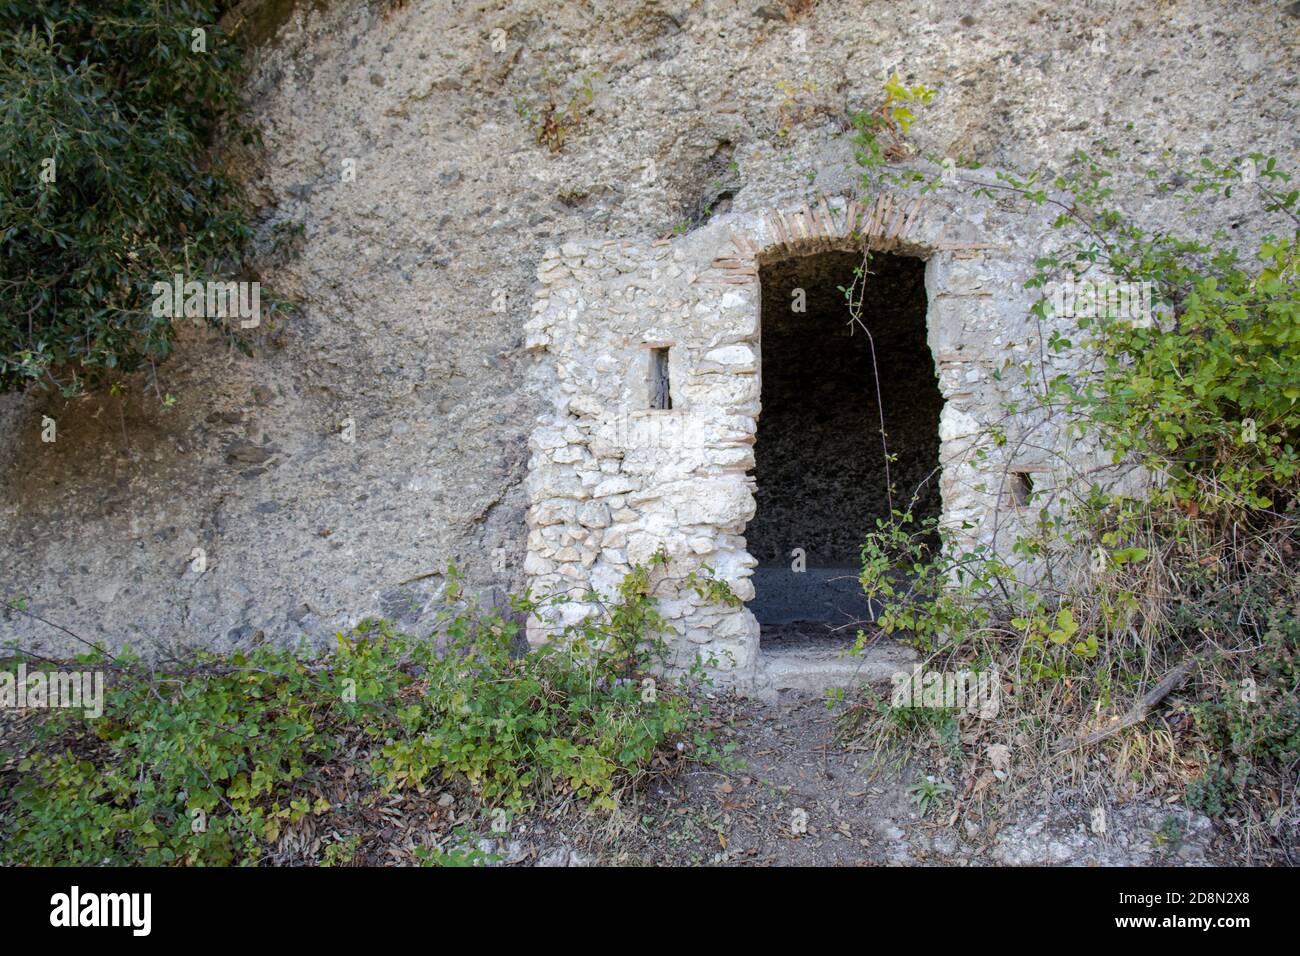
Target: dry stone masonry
(612, 480)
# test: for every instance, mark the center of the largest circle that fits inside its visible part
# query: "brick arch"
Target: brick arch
(885, 225)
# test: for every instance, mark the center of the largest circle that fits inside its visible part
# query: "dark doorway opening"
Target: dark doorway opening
(819, 461)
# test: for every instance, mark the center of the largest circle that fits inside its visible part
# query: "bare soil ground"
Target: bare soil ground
(802, 795)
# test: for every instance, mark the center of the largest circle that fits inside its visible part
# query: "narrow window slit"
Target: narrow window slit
(661, 396)
(1021, 488)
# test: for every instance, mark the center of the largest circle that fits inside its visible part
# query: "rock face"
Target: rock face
(457, 283)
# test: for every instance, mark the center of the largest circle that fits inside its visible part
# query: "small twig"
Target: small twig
(60, 627)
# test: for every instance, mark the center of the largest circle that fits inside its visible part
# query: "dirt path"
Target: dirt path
(800, 796)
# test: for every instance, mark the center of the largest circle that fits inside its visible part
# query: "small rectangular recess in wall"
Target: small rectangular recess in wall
(661, 395)
(1021, 487)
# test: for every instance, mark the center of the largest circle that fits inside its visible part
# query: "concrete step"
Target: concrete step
(820, 667)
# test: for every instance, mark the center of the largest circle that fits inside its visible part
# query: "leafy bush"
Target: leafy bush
(190, 767)
(1261, 720)
(109, 109)
(578, 714)
(1188, 571)
(207, 763)
(921, 581)
(1207, 397)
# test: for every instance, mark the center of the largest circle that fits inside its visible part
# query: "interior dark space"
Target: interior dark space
(820, 463)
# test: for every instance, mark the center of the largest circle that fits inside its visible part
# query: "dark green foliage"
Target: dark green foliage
(114, 93)
(1261, 720)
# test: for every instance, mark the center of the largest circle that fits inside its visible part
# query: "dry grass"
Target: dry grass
(1194, 605)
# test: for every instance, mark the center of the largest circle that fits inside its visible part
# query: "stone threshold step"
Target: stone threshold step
(824, 668)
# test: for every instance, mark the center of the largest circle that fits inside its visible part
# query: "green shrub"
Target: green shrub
(922, 582)
(112, 102)
(1215, 791)
(1209, 396)
(1257, 718)
(199, 765)
(208, 762)
(1190, 570)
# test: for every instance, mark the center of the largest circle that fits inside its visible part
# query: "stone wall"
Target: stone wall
(611, 482)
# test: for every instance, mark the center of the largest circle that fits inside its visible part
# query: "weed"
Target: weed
(928, 792)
